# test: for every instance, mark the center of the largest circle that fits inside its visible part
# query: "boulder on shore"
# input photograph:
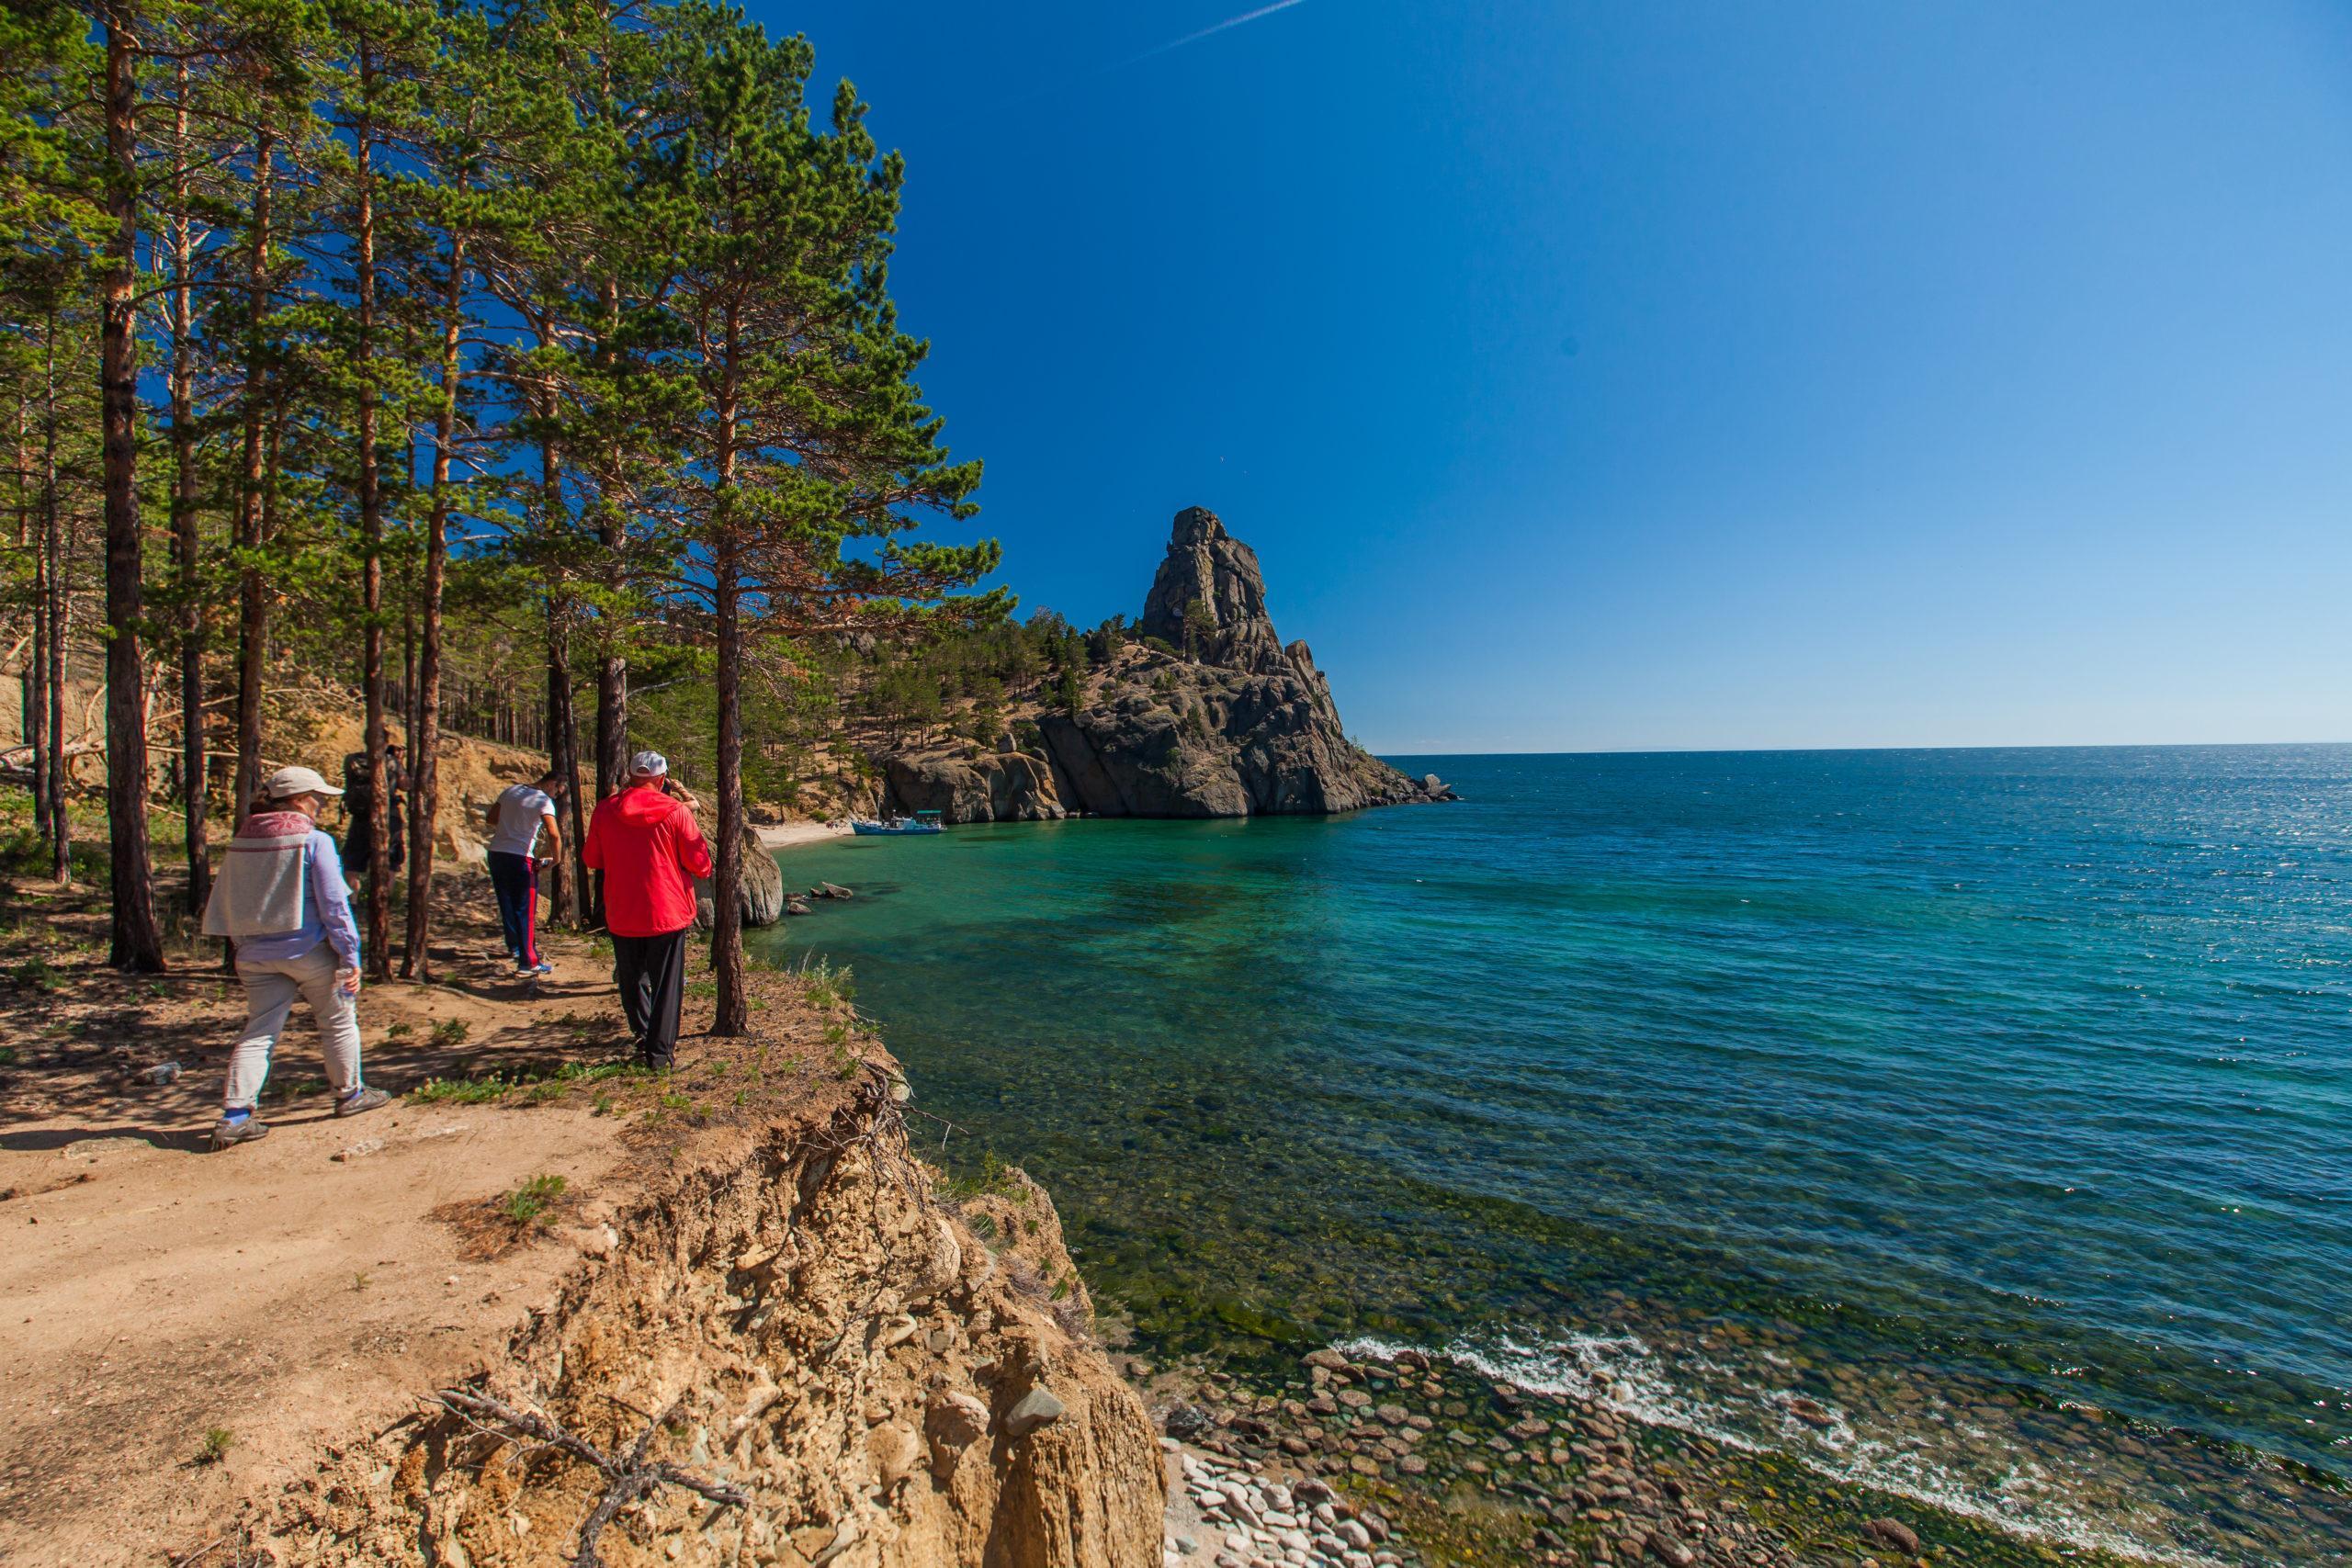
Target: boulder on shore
(763, 898)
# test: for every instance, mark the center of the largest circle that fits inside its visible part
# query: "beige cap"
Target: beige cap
(295, 781)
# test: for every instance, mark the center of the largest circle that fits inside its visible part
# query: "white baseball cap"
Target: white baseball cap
(648, 765)
(295, 781)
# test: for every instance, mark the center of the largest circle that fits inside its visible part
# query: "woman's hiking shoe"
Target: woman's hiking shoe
(359, 1104)
(243, 1130)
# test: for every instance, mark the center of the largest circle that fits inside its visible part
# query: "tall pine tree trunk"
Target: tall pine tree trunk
(252, 603)
(424, 763)
(733, 1013)
(136, 942)
(612, 750)
(378, 943)
(612, 665)
(563, 760)
(185, 540)
(55, 605)
(37, 667)
(562, 737)
(28, 678)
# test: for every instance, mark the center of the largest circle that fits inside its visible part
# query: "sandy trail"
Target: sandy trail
(151, 1293)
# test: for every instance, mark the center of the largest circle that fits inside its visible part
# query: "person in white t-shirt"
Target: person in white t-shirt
(520, 815)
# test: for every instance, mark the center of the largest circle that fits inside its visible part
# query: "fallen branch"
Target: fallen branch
(628, 1477)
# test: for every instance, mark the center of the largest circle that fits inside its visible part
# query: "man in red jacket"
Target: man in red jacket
(649, 847)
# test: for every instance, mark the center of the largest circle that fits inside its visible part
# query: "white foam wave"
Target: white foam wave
(1621, 1373)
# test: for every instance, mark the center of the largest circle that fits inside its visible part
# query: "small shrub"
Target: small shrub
(450, 1032)
(825, 986)
(400, 1031)
(528, 1203)
(218, 1441)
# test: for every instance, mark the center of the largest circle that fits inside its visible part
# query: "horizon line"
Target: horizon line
(1801, 750)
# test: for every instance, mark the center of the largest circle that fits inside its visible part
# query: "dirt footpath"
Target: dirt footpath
(177, 1324)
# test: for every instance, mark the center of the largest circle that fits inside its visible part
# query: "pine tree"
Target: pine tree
(811, 434)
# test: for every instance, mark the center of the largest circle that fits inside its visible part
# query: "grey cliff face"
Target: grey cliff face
(1247, 726)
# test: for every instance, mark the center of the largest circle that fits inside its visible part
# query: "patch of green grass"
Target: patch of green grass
(989, 1179)
(35, 974)
(528, 1203)
(359, 1281)
(598, 1072)
(460, 1091)
(400, 1031)
(544, 1090)
(449, 1031)
(603, 1104)
(294, 1090)
(218, 1441)
(7, 1056)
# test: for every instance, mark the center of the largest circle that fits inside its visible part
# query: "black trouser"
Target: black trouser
(652, 973)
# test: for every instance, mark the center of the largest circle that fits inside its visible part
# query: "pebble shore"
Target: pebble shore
(1241, 1518)
(1366, 1463)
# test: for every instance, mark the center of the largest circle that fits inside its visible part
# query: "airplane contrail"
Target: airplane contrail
(1228, 23)
(1155, 52)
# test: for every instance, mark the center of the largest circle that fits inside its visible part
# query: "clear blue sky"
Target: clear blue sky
(1607, 375)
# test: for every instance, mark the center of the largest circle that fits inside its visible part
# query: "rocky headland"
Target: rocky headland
(1204, 712)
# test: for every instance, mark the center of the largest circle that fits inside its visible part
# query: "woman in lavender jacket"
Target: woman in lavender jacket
(280, 897)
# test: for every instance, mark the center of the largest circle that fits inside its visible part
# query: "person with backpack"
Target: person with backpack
(516, 819)
(280, 897)
(359, 802)
(646, 841)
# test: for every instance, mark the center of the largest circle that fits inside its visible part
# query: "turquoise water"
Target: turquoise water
(1993, 1102)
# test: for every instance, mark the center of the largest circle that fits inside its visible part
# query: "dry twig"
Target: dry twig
(628, 1477)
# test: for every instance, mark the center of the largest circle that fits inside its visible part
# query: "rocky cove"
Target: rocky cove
(789, 1340)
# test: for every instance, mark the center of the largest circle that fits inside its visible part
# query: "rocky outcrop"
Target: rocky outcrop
(877, 1379)
(1208, 567)
(1235, 723)
(1004, 786)
(1245, 726)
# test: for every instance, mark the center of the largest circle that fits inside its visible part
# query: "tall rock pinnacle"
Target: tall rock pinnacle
(1207, 564)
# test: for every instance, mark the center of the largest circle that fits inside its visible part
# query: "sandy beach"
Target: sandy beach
(784, 835)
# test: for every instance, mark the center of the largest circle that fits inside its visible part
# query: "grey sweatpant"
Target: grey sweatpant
(271, 987)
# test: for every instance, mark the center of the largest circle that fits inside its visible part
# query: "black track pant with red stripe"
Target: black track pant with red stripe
(515, 879)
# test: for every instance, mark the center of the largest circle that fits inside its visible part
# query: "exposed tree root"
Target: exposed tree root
(628, 1477)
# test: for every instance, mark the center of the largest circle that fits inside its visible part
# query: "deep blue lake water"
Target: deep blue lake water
(1999, 1101)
